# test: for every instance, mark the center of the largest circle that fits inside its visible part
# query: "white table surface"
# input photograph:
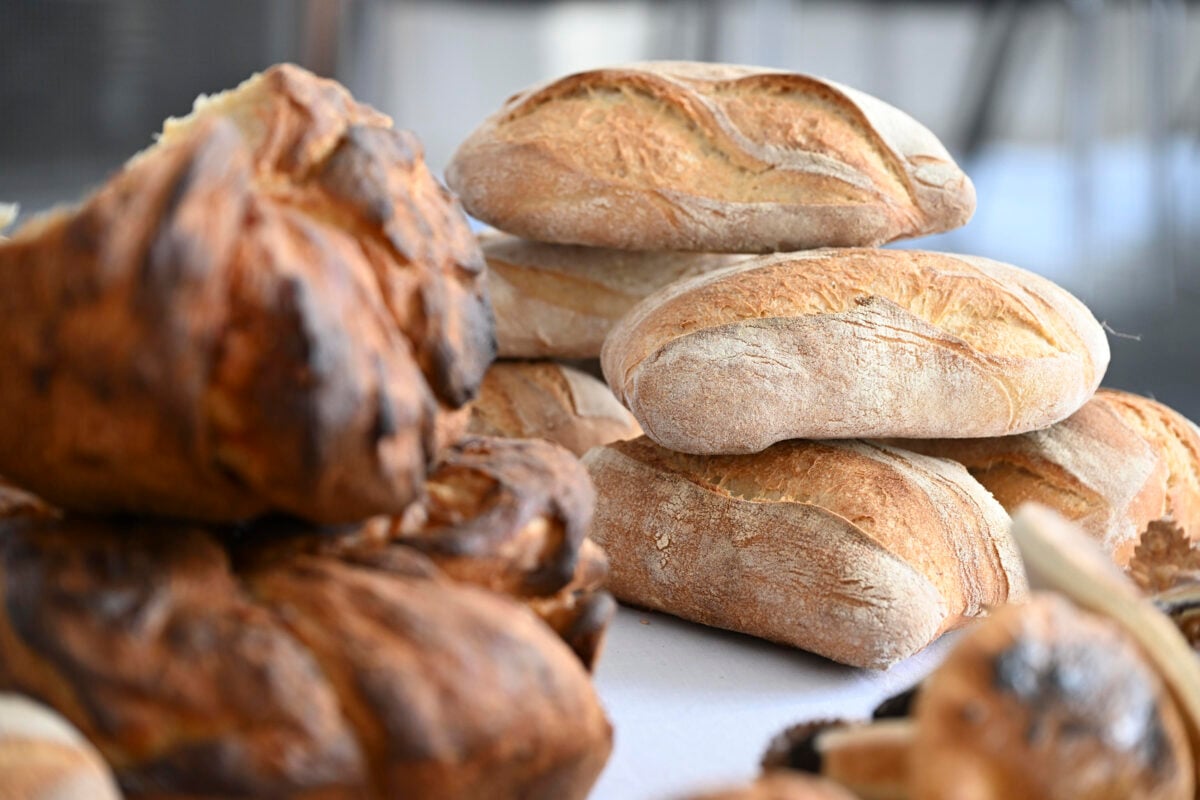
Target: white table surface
(693, 707)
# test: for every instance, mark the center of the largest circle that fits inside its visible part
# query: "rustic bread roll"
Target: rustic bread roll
(853, 343)
(545, 400)
(511, 516)
(685, 156)
(1048, 701)
(560, 301)
(263, 312)
(858, 552)
(1117, 464)
(303, 675)
(42, 757)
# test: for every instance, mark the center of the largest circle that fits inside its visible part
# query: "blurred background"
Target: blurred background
(1079, 120)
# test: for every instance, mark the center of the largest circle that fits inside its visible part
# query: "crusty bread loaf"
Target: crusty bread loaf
(193, 657)
(850, 343)
(859, 552)
(42, 757)
(1049, 701)
(560, 301)
(686, 156)
(262, 313)
(545, 400)
(1117, 464)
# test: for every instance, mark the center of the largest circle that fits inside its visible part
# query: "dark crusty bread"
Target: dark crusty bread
(860, 553)
(560, 301)
(687, 156)
(1049, 700)
(42, 757)
(545, 400)
(1116, 465)
(853, 343)
(262, 312)
(194, 657)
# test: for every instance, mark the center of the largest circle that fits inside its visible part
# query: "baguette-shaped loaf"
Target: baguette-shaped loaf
(560, 301)
(687, 156)
(853, 343)
(858, 552)
(545, 400)
(43, 757)
(264, 312)
(1117, 464)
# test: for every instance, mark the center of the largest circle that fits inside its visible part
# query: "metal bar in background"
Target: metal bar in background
(1083, 121)
(981, 89)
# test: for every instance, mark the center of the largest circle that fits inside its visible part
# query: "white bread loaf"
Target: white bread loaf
(1113, 467)
(853, 343)
(560, 301)
(545, 400)
(858, 552)
(711, 157)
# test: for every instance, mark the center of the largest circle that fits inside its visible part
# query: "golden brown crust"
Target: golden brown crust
(545, 400)
(850, 343)
(684, 156)
(560, 301)
(1113, 467)
(506, 514)
(1046, 700)
(43, 758)
(261, 313)
(860, 553)
(374, 674)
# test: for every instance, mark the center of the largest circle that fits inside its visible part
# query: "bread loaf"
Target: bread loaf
(560, 301)
(550, 401)
(262, 313)
(1048, 700)
(850, 343)
(858, 552)
(686, 156)
(1117, 464)
(43, 758)
(193, 657)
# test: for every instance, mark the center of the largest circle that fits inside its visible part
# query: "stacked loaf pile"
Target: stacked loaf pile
(266, 565)
(775, 491)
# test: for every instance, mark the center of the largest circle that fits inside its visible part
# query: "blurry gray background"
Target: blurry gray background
(1079, 121)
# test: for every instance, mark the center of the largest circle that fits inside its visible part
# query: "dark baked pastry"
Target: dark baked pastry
(263, 312)
(281, 661)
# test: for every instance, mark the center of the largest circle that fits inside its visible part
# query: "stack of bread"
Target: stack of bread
(802, 407)
(266, 565)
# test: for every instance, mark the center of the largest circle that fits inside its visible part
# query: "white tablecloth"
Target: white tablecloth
(694, 707)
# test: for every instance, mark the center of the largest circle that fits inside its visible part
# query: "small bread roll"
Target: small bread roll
(853, 343)
(1048, 701)
(1116, 465)
(43, 757)
(710, 157)
(545, 400)
(858, 552)
(560, 301)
